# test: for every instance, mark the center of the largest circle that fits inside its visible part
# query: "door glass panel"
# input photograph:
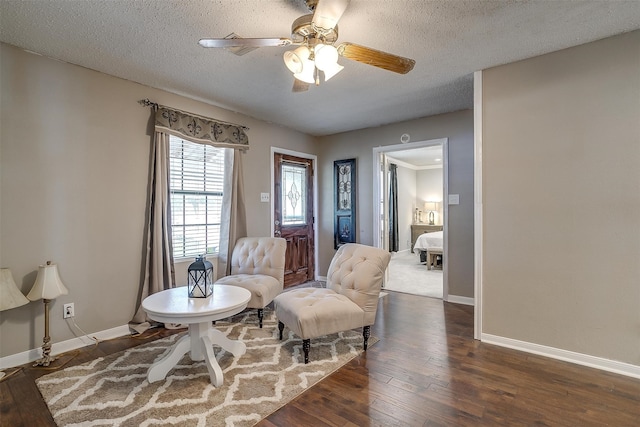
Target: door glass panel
(344, 187)
(294, 194)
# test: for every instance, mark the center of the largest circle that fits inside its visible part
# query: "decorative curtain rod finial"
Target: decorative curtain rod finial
(146, 103)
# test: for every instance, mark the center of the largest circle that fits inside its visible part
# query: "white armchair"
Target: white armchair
(257, 264)
(349, 301)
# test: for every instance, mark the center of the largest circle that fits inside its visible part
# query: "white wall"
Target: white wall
(429, 189)
(561, 197)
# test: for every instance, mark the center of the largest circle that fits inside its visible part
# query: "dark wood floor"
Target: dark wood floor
(426, 370)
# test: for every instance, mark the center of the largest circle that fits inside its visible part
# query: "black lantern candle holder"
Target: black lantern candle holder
(200, 282)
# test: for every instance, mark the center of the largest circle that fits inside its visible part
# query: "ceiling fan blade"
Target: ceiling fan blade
(377, 58)
(299, 86)
(327, 13)
(245, 42)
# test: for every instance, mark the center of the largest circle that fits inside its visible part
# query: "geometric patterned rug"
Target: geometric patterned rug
(114, 391)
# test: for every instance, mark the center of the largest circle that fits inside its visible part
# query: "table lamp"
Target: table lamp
(10, 295)
(430, 206)
(48, 286)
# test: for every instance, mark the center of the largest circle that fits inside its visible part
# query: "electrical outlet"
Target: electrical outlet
(68, 311)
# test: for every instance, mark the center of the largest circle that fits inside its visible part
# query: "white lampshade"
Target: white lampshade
(307, 72)
(430, 206)
(48, 284)
(294, 59)
(326, 56)
(10, 295)
(332, 71)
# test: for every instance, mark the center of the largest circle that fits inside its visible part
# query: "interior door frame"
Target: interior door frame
(314, 163)
(377, 165)
(477, 205)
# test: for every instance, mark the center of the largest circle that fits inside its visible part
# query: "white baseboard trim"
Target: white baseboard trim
(322, 278)
(62, 347)
(457, 299)
(614, 366)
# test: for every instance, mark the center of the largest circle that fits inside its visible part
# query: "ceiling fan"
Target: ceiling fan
(315, 35)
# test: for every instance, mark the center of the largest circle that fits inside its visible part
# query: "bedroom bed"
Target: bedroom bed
(429, 246)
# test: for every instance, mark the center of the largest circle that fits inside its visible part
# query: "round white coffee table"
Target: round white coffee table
(175, 306)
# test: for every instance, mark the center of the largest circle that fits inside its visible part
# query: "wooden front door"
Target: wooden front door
(293, 215)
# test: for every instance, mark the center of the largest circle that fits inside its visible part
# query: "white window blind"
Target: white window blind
(196, 183)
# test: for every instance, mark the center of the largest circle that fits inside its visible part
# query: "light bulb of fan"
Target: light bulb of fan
(326, 56)
(332, 71)
(306, 75)
(294, 59)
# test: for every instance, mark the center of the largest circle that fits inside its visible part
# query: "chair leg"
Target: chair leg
(260, 316)
(280, 328)
(366, 333)
(306, 345)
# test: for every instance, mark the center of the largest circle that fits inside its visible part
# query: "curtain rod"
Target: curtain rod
(147, 103)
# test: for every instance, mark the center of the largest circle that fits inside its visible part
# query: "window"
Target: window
(196, 184)
(294, 194)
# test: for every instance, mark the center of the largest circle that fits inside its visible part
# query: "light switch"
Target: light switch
(264, 197)
(454, 199)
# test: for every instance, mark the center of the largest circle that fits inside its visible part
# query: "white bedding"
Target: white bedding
(426, 241)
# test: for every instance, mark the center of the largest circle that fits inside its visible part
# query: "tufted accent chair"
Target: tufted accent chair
(349, 301)
(257, 264)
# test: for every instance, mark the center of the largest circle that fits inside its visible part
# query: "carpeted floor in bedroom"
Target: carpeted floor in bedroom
(408, 275)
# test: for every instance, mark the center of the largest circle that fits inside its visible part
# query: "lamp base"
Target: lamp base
(46, 341)
(45, 361)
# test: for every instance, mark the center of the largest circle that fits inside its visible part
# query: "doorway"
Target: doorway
(419, 207)
(293, 213)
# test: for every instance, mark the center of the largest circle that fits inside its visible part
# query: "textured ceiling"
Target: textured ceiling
(155, 43)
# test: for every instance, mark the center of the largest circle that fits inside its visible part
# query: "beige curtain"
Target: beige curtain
(158, 273)
(234, 217)
(158, 270)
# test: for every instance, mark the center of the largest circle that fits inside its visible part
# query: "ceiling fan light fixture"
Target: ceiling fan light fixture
(326, 56)
(315, 34)
(294, 59)
(307, 73)
(332, 71)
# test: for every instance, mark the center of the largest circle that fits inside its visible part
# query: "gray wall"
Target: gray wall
(458, 127)
(74, 167)
(561, 195)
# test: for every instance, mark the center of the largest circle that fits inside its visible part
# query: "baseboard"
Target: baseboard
(62, 347)
(456, 299)
(321, 278)
(616, 367)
